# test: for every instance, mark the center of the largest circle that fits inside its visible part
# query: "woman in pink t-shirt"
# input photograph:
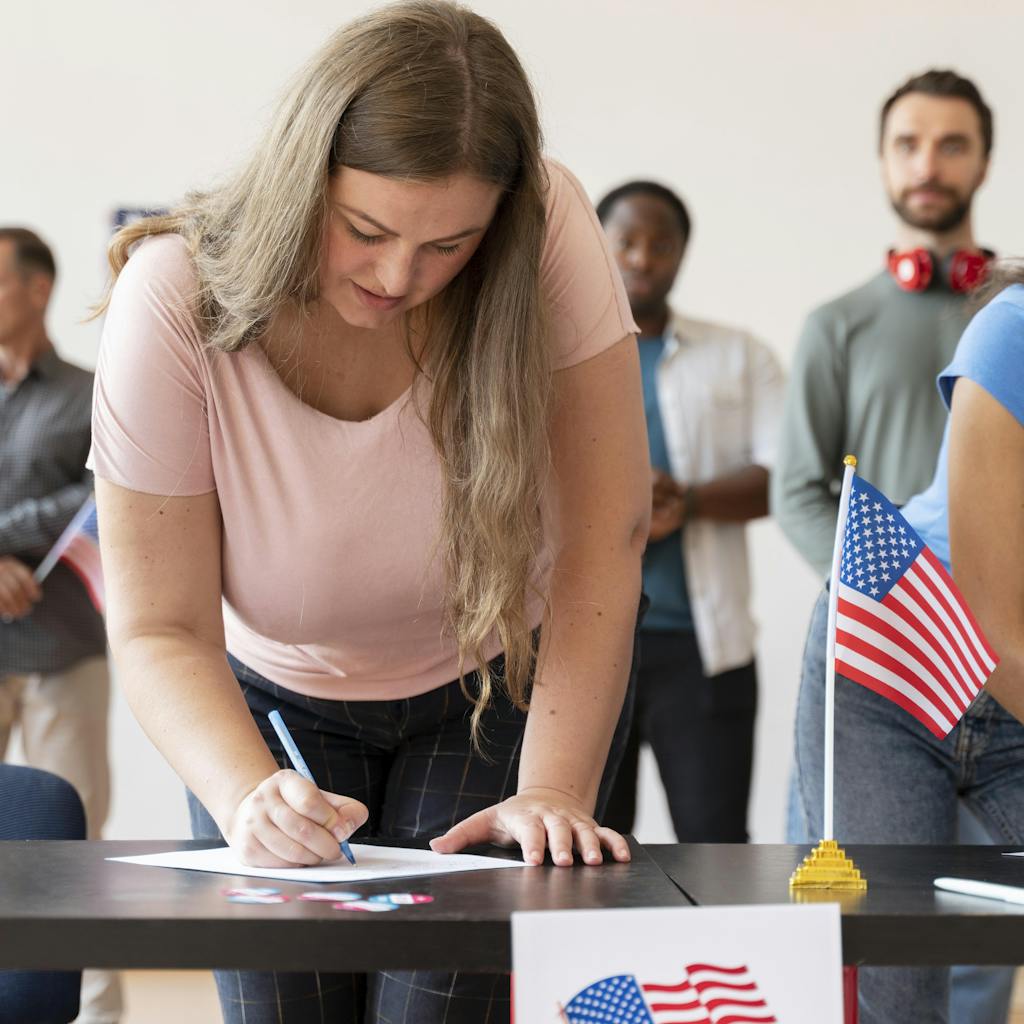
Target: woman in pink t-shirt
(369, 447)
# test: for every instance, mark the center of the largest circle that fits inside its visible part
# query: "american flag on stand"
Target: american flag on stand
(902, 627)
(79, 548)
(707, 995)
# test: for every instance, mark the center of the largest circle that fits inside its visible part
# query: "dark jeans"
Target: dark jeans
(412, 763)
(701, 730)
(894, 782)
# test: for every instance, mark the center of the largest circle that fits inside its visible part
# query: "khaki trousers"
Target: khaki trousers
(61, 718)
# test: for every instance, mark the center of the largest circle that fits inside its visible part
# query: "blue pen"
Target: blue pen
(299, 764)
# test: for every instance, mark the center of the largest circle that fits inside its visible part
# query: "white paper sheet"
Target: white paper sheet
(372, 862)
(669, 964)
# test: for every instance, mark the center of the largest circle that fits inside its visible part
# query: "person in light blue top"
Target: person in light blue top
(894, 781)
(991, 353)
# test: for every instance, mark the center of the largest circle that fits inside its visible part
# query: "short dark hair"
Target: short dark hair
(946, 84)
(647, 188)
(31, 254)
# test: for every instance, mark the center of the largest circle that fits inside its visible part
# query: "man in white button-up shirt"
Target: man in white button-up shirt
(712, 396)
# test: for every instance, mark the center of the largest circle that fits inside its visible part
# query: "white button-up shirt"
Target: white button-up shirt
(720, 394)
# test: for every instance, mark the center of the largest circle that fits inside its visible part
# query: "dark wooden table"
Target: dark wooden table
(901, 919)
(62, 905)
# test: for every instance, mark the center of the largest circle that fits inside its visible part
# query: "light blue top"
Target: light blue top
(664, 576)
(991, 353)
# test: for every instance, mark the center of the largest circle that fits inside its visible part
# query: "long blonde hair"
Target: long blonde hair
(417, 90)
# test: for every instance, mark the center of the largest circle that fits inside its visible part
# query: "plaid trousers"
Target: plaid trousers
(412, 763)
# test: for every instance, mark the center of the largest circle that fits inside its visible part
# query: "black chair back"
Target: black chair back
(38, 805)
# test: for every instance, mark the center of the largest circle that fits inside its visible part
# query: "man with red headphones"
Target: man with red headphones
(863, 378)
(863, 382)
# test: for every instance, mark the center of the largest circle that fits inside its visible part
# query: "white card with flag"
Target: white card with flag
(679, 965)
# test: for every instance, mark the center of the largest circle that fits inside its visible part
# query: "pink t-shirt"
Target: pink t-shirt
(332, 587)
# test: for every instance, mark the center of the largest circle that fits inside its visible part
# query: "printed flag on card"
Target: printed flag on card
(78, 547)
(902, 627)
(678, 964)
(707, 994)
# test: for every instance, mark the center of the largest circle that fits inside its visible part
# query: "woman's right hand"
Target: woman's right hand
(286, 821)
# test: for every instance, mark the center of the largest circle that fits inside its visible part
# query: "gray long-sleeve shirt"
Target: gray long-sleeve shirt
(863, 383)
(44, 441)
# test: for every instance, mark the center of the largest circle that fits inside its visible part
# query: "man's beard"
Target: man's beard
(940, 223)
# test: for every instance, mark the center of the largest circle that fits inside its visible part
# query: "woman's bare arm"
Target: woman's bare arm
(161, 562)
(986, 528)
(600, 459)
(599, 451)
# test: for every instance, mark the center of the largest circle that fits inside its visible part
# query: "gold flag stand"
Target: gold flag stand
(828, 867)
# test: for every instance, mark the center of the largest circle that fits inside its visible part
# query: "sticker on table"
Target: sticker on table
(367, 906)
(320, 896)
(402, 899)
(253, 891)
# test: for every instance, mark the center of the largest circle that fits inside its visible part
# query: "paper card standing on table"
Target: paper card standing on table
(767, 963)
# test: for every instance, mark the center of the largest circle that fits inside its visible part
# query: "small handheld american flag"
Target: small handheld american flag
(79, 548)
(903, 629)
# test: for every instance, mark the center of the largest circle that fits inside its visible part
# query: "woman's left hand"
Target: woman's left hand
(537, 818)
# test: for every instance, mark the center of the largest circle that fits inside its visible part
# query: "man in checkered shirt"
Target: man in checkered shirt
(54, 683)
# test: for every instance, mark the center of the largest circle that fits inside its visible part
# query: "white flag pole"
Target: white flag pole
(850, 462)
(53, 555)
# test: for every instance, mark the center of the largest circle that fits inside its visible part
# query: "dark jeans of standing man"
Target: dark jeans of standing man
(701, 730)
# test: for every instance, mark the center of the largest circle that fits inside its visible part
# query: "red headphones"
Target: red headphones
(963, 270)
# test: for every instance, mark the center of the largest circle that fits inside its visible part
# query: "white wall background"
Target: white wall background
(763, 114)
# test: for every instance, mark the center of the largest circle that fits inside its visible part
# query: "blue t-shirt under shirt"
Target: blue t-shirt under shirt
(664, 577)
(990, 353)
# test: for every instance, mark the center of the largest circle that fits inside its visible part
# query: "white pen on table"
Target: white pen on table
(986, 890)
